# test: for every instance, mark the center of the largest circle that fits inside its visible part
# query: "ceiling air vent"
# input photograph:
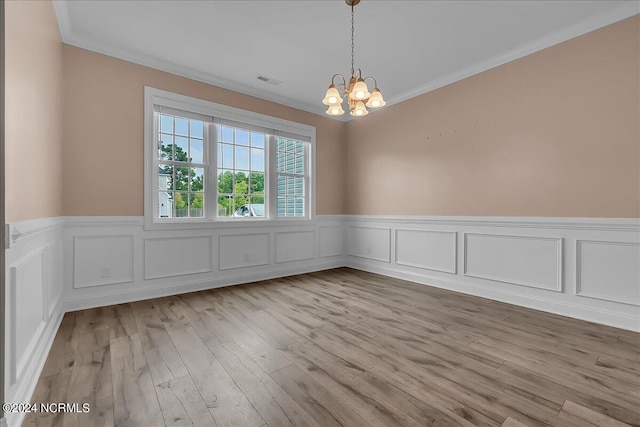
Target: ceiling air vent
(269, 80)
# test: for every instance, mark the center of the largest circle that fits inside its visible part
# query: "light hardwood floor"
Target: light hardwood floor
(339, 347)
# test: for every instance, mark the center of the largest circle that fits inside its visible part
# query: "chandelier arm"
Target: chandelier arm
(344, 82)
(375, 83)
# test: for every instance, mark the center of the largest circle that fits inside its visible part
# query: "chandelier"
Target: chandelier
(357, 92)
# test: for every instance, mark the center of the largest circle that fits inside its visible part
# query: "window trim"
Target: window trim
(153, 96)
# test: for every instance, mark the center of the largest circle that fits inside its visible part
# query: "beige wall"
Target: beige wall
(553, 134)
(33, 117)
(103, 129)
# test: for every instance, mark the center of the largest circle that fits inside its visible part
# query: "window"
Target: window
(209, 163)
(241, 172)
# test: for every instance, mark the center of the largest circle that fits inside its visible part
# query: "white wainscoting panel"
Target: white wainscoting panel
(331, 241)
(176, 256)
(432, 250)
(295, 245)
(608, 270)
(102, 260)
(516, 260)
(30, 313)
(34, 298)
(243, 250)
(370, 242)
(520, 260)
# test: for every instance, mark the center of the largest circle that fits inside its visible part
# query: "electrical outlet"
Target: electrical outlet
(246, 257)
(105, 272)
(369, 250)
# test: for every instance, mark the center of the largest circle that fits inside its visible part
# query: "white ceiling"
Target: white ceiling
(410, 47)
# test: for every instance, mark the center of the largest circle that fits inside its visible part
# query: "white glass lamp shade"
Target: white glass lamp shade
(332, 96)
(335, 110)
(376, 100)
(360, 91)
(360, 110)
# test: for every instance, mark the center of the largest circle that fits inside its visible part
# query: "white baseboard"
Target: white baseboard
(27, 384)
(137, 294)
(610, 318)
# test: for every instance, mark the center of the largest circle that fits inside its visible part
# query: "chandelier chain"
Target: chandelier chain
(352, 43)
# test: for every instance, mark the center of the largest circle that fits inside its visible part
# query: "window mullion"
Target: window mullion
(272, 191)
(211, 172)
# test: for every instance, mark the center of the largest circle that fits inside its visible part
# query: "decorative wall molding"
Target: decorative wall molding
(295, 245)
(28, 290)
(191, 255)
(200, 259)
(331, 241)
(24, 231)
(102, 260)
(244, 250)
(431, 253)
(518, 259)
(611, 275)
(369, 242)
(34, 304)
(602, 224)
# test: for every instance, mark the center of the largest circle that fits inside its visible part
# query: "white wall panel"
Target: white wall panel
(520, 260)
(331, 241)
(102, 260)
(608, 271)
(29, 313)
(370, 242)
(176, 256)
(243, 250)
(295, 245)
(432, 250)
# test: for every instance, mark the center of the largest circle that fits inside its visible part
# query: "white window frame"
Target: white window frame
(200, 107)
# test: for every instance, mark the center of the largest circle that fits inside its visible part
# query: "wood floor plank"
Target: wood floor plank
(272, 402)
(315, 399)
(588, 416)
(91, 380)
(257, 348)
(226, 402)
(163, 359)
(123, 322)
(559, 391)
(182, 405)
(511, 422)
(135, 400)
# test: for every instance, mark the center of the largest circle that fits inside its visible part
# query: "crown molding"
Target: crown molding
(70, 38)
(621, 12)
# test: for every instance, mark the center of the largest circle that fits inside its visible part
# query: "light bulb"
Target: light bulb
(335, 110)
(332, 96)
(376, 100)
(359, 91)
(360, 110)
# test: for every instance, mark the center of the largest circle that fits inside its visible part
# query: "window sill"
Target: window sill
(230, 223)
